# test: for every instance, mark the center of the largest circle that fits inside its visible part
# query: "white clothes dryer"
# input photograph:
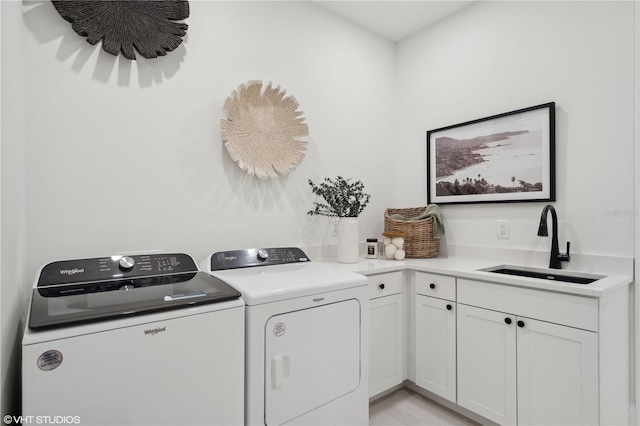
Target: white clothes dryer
(133, 340)
(307, 348)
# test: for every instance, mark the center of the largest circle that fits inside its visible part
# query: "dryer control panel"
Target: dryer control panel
(247, 258)
(115, 267)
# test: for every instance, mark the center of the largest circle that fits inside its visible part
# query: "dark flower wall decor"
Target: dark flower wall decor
(147, 26)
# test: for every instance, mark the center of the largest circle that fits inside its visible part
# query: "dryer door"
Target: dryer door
(312, 358)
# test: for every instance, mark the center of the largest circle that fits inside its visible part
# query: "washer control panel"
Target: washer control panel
(115, 267)
(247, 258)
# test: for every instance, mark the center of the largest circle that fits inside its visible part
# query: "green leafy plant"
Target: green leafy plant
(342, 198)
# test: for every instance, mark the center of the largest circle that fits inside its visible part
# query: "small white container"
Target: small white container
(372, 248)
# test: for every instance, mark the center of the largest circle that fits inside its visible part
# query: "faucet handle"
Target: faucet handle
(565, 257)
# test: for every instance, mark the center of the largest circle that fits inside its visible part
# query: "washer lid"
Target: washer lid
(64, 305)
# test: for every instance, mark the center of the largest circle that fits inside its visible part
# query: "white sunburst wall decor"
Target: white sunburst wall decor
(263, 130)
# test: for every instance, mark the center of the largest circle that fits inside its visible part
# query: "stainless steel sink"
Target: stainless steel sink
(545, 274)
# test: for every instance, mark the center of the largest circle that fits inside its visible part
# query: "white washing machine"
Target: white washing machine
(307, 349)
(133, 340)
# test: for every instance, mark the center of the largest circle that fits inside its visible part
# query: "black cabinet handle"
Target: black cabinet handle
(432, 286)
(520, 323)
(449, 307)
(507, 320)
(381, 286)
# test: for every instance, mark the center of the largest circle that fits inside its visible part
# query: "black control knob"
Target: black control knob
(126, 263)
(449, 307)
(507, 320)
(263, 255)
(520, 323)
(381, 286)
(432, 286)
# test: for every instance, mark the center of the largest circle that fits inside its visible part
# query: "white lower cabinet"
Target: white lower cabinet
(517, 370)
(511, 354)
(487, 364)
(436, 346)
(386, 341)
(435, 334)
(557, 374)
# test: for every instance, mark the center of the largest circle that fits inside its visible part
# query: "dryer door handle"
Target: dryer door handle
(279, 370)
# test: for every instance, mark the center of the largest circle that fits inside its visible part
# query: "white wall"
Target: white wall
(12, 204)
(126, 156)
(2, 410)
(636, 390)
(114, 155)
(494, 57)
(2, 404)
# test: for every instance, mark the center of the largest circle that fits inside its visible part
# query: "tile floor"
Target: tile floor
(405, 407)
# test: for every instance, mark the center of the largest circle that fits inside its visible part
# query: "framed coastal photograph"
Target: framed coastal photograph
(507, 157)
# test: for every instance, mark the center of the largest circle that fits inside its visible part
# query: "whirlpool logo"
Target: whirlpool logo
(71, 271)
(154, 331)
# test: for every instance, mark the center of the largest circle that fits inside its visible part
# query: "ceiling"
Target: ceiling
(393, 19)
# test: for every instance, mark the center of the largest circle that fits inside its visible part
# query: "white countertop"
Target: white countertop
(470, 268)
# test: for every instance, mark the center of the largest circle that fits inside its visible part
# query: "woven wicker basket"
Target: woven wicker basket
(419, 241)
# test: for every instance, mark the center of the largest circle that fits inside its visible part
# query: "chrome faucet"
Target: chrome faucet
(556, 256)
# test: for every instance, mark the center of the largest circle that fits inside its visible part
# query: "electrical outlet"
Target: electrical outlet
(502, 229)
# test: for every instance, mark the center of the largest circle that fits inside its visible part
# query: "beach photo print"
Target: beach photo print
(507, 157)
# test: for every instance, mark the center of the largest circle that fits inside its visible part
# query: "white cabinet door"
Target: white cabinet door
(557, 374)
(436, 346)
(386, 343)
(487, 363)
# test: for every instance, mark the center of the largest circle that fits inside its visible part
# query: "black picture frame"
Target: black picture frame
(507, 157)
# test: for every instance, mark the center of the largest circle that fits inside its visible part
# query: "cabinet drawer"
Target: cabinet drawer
(385, 284)
(441, 286)
(559, 308)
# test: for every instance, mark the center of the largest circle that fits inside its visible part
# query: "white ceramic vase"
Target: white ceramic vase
(348, 240)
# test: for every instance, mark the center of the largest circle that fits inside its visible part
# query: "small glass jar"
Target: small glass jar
(394, 245)
(372, 248)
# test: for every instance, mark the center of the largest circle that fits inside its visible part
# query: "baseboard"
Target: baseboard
(385, 393)
(438, 400)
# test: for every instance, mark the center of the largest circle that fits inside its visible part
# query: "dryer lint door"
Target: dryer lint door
(312, 357)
